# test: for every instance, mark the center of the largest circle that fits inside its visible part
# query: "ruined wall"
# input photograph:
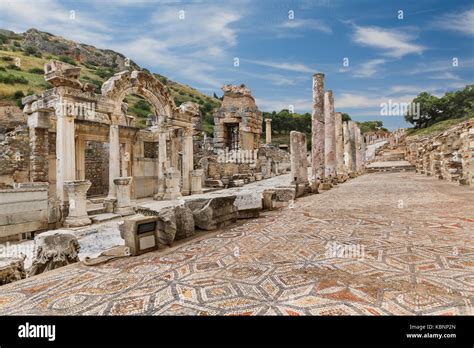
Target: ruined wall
(97, 167)
(448, 155)
(238, 107)
(15, 157)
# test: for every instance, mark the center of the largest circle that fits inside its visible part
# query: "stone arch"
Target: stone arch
(139, 82)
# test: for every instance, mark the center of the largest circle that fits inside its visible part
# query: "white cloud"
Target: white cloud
(462, 22)
(290, 66)
(307, 24)
(300, 105)
(394, 43)
(369, 68)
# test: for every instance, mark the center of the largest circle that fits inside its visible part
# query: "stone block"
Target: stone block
(11, 269)
(213, 212)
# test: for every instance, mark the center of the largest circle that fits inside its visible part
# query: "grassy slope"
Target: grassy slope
(437, 127)
(37, 84)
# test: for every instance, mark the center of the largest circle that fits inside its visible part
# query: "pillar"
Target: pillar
(268, 131)
(317, 129)
(347, 148)
(358, 148)
(329, 136)
(352, 125)
(162, 157)
(339, 143)
(77, 195)
(65, 152)
(172, 179)
(299, 161)
(38, 124)
(196, 181)
(187, 161)
(123, 206)
(114, 159)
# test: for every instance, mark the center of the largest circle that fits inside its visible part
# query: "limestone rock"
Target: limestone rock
(213, 212)
(249, 204)
(11, 269)
(54, 249)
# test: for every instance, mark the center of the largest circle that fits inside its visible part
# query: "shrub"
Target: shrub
(142, 105)
(16, 43)
(2, 69)
(30, 50)
(7, 59)
(13, 67)
(10, 79)
(18, 95)
(38, 71)
(67, 59)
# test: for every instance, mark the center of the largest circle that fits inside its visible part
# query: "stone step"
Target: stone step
(104, 217)
(95, 209)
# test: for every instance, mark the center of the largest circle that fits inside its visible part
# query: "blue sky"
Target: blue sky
(389, 58)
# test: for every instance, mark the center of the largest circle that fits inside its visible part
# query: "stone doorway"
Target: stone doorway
(97, 167)
(232, 136)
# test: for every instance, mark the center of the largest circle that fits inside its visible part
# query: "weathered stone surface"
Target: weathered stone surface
(330, 136)
(299, 161)
(177, 221)
(248, 204)
(11, 269)
(123, 206)
(317, 128)
(54, 249)
(339, 144)
(214, 183)
(77, 190)
(213, 212)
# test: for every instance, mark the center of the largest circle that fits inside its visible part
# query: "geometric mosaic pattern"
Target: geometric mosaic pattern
(394, 243)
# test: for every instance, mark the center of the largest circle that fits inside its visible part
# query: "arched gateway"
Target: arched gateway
(66, 119)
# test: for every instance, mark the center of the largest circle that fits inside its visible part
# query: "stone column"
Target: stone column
(317, 129)
(358, 148)
(187, 161)
(329, 136)
(172, 179)
(352, 125)
(124, 206)
(77, 191)
(114, 159)
(339, 144)
(268, 131)
(38, 124)
(299, 161)
(196, 181)
(162, 158)
(65, 151)
(347, 148)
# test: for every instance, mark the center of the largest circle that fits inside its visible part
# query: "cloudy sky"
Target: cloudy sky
(368, 52)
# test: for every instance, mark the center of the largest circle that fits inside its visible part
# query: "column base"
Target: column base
(72, 221)
(124, 211)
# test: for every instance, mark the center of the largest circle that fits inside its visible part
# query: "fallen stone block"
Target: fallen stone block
(213, 212)
(11, 269)
(248, 204)
(214, 183)
(54, 249)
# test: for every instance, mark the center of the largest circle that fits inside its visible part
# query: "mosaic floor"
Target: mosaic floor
(380, 244)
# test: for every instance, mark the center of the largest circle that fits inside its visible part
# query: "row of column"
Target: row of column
(338, 148)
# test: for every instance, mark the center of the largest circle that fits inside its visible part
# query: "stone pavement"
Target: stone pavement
(393, 243)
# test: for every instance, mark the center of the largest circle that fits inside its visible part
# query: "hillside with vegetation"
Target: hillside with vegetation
(23, 55)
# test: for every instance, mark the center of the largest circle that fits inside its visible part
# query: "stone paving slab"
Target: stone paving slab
(380, 244)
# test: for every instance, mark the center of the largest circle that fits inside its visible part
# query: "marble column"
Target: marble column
(358, 147)
(65, 152)
(77, 195)
(172, 179)
(124, 206)
(329, 136)
(299, 160)
(114, 159)
(196, 181)
(352, 140)
(268, 131)
(187, 161)
(317, 129)
(162, 158)
(339, 144)
(347, 148)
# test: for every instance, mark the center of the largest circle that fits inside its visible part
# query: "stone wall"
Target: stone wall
(97, 167)
(22, 210)
(448, 155)
(15, 157)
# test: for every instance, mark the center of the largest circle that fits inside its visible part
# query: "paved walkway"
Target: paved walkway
(394, 243)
